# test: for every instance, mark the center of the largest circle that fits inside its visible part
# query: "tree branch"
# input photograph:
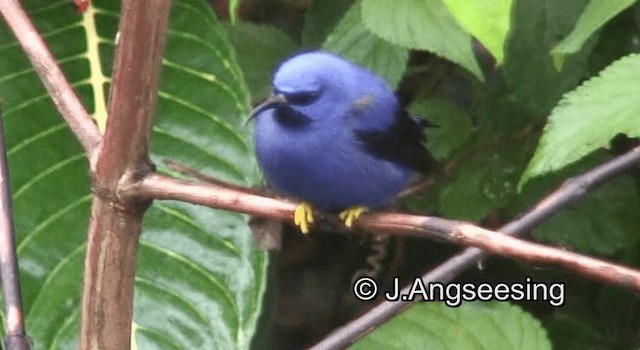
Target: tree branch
(16, 338)
(122, 160)
(569, 192)
(160, 187)
(60, 90)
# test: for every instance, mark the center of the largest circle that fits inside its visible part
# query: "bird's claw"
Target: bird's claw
(303, 217)
(350, 214)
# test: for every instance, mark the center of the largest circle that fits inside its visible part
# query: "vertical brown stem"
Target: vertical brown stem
(107, 305)
(122, 160)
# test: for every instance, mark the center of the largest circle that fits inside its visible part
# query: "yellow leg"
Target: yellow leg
(303, 216)
(350, 214)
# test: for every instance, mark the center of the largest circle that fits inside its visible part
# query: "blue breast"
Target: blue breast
(327, 167)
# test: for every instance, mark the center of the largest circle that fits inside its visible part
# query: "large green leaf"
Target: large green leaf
(595, 15)
(199, 280)
(470, 326)
(595, 317)
(528, 68)
(588, 117)
(487, 21)
(320, 19)
(352, 40)
(486, 181)
(452, 126)
(259, 49)
(605, 222)
(567, 331)
(423, 25)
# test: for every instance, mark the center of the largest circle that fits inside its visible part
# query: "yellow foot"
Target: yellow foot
(303, 217)
(350, 215)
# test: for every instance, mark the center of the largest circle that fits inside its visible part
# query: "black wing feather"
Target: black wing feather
(402, 142)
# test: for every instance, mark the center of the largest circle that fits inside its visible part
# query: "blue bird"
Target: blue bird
(333, 135)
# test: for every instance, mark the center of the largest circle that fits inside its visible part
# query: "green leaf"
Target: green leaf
(594, 16)
(352, 40)
(453, 126)
(487, 21)
(588, 117)
(619, 313)
(485, 182)
(596, 317)
(423, 25)
(199, 279)
(470, 326)
(567, 331)
(605, 222)
(536, 26)
(259, 49)
(320, 19)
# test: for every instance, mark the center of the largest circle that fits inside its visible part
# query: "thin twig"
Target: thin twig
(123, 159)
(568, 193)
(63, 95)
(185, 170)
(16, 338)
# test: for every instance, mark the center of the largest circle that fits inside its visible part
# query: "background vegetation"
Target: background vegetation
(526, 94)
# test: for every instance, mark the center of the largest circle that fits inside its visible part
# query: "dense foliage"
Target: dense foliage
(525, 94)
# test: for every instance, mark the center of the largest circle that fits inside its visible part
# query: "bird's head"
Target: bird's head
(311, 87)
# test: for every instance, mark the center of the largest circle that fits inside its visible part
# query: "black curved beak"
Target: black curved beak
(272, 101)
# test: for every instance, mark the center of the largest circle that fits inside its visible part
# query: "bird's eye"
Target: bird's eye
(302, 98)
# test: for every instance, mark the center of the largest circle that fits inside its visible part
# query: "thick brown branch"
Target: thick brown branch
(122, 160)
(60, 90)
(161, 187)
(536, 253)
(156, 186)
